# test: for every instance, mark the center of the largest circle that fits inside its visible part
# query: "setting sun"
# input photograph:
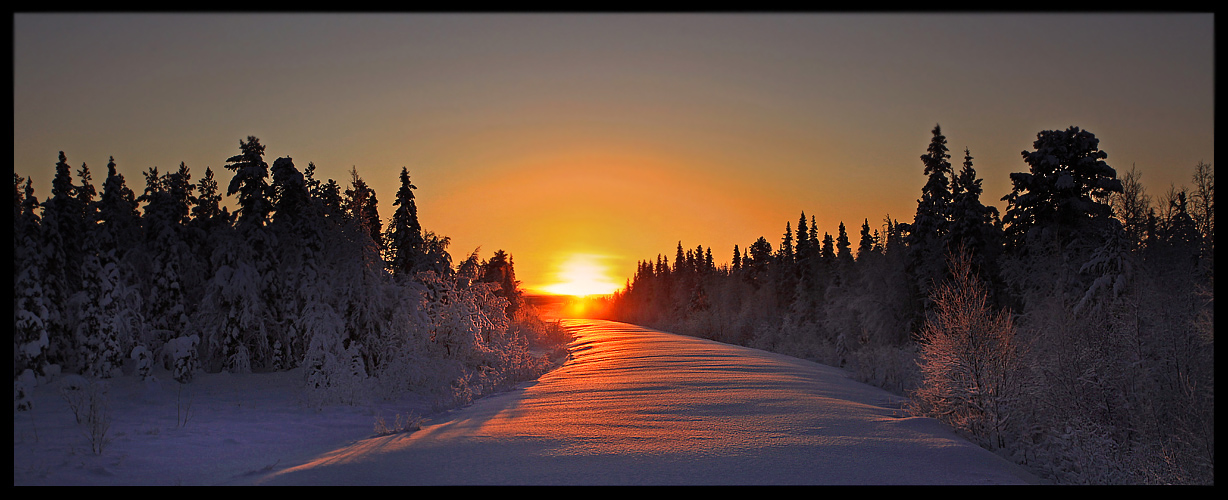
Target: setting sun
(582, 274)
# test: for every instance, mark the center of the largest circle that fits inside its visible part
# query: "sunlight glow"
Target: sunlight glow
(581, 275)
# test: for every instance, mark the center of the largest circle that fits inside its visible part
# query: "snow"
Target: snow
(630, 406)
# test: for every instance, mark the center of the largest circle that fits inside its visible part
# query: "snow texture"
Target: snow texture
(631, 406)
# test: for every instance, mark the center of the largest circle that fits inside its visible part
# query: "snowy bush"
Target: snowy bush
(182, 354)
(408, 422)
(23, 391)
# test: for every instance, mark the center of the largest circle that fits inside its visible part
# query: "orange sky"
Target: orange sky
(613, 136)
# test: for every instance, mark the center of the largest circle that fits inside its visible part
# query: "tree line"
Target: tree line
(302, 274)
(1071, 333)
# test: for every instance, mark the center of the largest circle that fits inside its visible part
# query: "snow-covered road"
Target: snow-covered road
(641, 407)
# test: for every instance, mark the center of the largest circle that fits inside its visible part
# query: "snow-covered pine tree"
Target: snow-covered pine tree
(238, 298)
(1056, 215)
(31, 314)
(166, 307)
(929, 232)
(61, 229)
(100, 327)
(1066, 188)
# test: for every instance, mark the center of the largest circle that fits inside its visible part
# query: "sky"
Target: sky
(592, 141)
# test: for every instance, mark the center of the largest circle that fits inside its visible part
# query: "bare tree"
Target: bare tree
(969, 359)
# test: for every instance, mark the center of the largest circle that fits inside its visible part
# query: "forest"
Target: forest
(301, 275)
(1071, 333)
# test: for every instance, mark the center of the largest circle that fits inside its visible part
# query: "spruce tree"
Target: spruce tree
(785, 255)
(843, 247)
(930, 225)
(250, 182)
(973, 225)
(1065, 190)
(866, 245)
(31, 310)
(61, 229)
(403, 240)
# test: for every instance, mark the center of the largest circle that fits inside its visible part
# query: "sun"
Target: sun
(581, 275)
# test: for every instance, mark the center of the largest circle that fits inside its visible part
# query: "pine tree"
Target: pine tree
(360, 206)
(974, 226)
(843, 247)
(679, 260)
(785, 255)
(61, 229)
(165, 304)
(403, 240)
(760, 255)
(930, 225)
(865, 246)
(737, 259)
(250, 183)
(802, 252)
(31, 312)
(117, 210)
(1066, 188)
(828, 252)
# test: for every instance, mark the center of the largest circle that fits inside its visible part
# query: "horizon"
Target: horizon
(616, 136)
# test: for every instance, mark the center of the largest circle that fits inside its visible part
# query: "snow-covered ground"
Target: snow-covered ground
(632, 406)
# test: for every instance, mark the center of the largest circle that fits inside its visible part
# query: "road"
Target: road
(635, 406)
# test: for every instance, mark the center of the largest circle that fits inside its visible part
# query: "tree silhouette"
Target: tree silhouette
(404, 235)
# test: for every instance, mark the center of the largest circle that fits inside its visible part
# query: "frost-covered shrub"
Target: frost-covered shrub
(144, 362)
(408, 422)
(97, 413)
(970, 360)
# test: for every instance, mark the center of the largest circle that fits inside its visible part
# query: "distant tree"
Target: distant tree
(1131, 207)
(737, 259)
(865, 245)
(785, 251)
(1202, 199)
(843, 252)
(499, 269)
(85, 195)
(760, 256)
(802, 252)
(679, 260)
(117, 211)
(289, 194)
(361, 207)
